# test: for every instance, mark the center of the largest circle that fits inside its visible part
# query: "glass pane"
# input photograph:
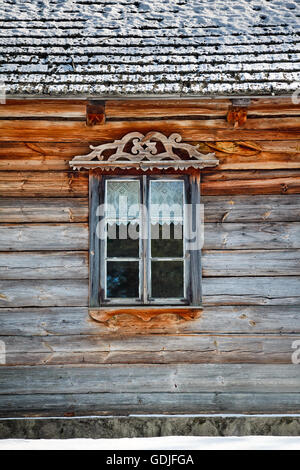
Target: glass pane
(122, 279)
(167, 279)
(123, 240)
(122, 199)
(167, 240)
(166, 201)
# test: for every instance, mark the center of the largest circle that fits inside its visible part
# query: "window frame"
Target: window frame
(191, 258)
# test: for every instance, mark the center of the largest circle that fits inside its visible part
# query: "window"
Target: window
(143, 241)
(145, 230)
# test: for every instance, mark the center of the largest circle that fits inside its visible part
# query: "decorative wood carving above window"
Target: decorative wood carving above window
(145, 152)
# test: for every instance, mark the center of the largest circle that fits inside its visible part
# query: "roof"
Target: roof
(149, 47)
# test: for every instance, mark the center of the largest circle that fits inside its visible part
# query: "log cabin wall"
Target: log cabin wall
(236, 357)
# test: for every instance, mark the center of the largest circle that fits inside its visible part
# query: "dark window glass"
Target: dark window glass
(123, 241)
(167, 279)
(167, 240)
(122, 279)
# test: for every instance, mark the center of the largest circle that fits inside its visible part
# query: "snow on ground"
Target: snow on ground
(158, 443)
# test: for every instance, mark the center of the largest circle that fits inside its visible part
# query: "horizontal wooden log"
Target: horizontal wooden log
(216, 291)
(146, 108)
(160, 108)
(226, 236)
(44, 237)
(43, 184)
(68, 183)
(190, 130)
(44, 265)
(250, 182)
(197, 107)
(141, 403)
(153, 349)
(55, 156)
(251, 320)
(260, 161)
(250, 263)
(154, 378)
(30, 108)
(251, 290)
(258, 208)
(209, 175)
(26, 210)
(252, 236)
(44, 293)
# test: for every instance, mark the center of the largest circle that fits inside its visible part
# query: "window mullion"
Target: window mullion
(145, 238)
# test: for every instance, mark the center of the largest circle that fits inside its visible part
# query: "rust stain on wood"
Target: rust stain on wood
(146, 314)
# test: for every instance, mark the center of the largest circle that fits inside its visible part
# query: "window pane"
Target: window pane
(167, 240)
(166, 201)
(122, 199)
(167, 279)
(122, 279)
(123, 240)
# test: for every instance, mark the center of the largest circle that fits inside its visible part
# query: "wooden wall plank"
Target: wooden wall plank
(250, 182)
(34, 237)
(34, 293)
(55, 156)
(47, 210)
(196, 107)
(203, 130)
(216, 291)
(257, 208)
(30, 108)
(251, 236)
(250, 263)
(251, 320)
(68, 183)
(43, 184)
(44, 265)
(226, 236)
(141, 403)
(153, 349)
(150, 378)
(251, 290)
(260, 161)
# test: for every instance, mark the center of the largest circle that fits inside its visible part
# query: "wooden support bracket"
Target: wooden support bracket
(237, 112)
(146, 314)
(95, 113)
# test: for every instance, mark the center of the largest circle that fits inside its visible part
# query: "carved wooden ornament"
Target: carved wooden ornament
(145, 152)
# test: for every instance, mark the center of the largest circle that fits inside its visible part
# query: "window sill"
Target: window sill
(103, 314)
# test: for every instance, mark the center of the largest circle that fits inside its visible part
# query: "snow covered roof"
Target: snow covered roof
(149, 47)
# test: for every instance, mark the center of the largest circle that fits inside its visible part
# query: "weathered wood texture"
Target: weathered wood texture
(75, 184)
(44, 265)
(44, 237)
(234, 155)
(216, 291)
(140, 403)
(257, 208)
(269, 235)
(251, 265)
(47, 210)
(43, 184)
(215, 263)
(251, 320)
(179, 378)
(153, 349)
(277, 128)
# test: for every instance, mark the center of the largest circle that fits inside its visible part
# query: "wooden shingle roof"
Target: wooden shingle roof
(149, 47)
